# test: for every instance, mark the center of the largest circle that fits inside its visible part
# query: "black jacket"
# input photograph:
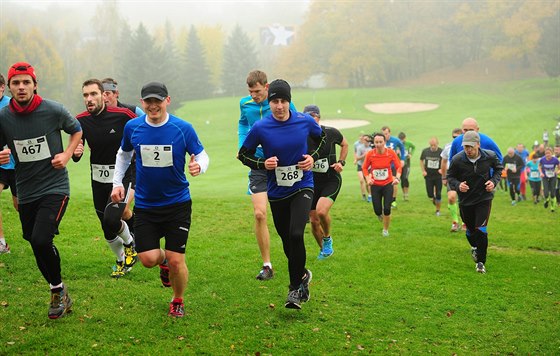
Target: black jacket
(486, 167)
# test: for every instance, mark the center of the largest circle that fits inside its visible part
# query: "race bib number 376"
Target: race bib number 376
(157, 155)
(32, 149)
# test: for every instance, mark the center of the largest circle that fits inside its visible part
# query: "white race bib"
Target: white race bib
(380, 174)
(511, 166)
(549, 173)
(433, 164)
(32, 149)
(156, 155)
(288, 176)
(534, 174)
(321, 166)
(102, 173)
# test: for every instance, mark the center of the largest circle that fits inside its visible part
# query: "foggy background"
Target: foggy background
(204, 49)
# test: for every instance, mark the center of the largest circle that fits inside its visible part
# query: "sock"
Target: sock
(177, 300)
(267, 264)
(56, 288)
(2, 240)
(125, 235)
(117, 247)
(453, 211)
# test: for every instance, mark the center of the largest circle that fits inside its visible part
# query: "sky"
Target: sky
(153, 13)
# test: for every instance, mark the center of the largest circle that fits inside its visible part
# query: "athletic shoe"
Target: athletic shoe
(176, 308)
(369, 199)
(119, 270)
(327, 249)
(464, 227)
(455, 227)
(4, 248)
(364, 197)
(304, 287)
(385, 233)
(474, 254)
(513, 202)
(265, 274)
(394, 204)
(164, 274)
(437, 213)
(130, 256)
(61, 303)
(480, 267)
(293, 301)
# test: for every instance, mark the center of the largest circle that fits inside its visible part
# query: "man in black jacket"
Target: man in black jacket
(474, 173)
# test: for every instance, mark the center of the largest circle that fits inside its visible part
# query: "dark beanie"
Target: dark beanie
(279, 89)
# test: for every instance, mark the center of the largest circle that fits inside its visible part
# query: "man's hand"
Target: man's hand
(194, 167)
(5, 156)
(489, 185)
(271, 163)
(306, 164)
(60, 160)
(117, 195)
(79, 151)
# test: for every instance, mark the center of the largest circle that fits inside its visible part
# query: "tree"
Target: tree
(239, 59)
(549, 46)
(195, 76)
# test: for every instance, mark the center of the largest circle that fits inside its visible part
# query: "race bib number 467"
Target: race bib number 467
(157, 155)
(32, 149)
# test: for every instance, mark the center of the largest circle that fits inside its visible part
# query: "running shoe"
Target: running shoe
(464, 227)
(327, 249)
(293, 301)
(480, 267)
(437, 213)
(455, 227)
(513, 202)
(265, 274)
(61, 303)
(130, 255)
(4, 248)
(176, 308)
(394, 204)
(385, 233)
(119, 270)
(474, 254)
(164, 274)
(369, 199)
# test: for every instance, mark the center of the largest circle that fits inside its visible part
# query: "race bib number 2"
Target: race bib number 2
(32, 149)
(288, 176)
(157, 155)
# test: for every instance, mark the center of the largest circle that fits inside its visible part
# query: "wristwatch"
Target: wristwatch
(342, 162)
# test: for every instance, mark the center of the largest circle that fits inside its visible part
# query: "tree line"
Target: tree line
(351, 44)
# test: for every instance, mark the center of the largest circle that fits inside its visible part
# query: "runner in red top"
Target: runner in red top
(377, 170)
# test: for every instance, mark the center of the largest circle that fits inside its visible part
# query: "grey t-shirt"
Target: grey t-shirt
(34, 140)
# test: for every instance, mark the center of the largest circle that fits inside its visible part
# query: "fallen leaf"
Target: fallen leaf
(360, 347)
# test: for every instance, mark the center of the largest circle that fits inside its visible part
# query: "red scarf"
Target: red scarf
(33, 104)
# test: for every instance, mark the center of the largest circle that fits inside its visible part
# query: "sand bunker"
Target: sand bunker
(344, 123)
(400, 108)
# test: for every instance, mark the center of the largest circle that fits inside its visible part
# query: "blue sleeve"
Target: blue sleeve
(242, 127)
(125, 142)
(403, 150)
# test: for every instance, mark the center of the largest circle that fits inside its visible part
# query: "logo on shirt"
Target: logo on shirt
(112, 131)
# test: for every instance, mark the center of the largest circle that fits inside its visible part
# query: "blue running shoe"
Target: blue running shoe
(327, 249)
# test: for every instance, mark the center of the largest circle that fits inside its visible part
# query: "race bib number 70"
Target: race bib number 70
(32, 149)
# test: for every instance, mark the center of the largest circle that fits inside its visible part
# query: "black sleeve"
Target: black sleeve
(248, 158)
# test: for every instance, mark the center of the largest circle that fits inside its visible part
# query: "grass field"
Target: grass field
(415, 292)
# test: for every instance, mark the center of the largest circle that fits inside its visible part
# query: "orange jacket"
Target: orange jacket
(379, 166)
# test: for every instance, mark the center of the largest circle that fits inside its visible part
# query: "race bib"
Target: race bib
(511, 166)
(534, 174)
(102, 173)
(432, 164)
(549, 173)
(380, 174)
(321, 166)
(288, 176)
(32, 149)
(156, 155)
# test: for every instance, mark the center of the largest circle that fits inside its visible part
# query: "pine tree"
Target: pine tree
(240, 58)
(195, 76)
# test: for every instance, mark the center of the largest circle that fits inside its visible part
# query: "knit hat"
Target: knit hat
(22, 68)
(279, 89)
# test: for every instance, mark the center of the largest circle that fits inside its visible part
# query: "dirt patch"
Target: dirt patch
(344, 123)
(400, 108)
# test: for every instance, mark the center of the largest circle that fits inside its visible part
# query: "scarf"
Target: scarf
(33, 104)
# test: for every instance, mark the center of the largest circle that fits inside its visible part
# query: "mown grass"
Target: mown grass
(415, 292)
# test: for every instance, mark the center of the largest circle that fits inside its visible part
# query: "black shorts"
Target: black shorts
(171, 222)
(257, 181)
(8, 178)
(326, 189)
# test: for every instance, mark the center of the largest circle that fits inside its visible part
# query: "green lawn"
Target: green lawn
(415, 292)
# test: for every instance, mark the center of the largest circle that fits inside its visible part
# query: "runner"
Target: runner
(253, 108)
(378, 170)
(327, 182)
(430, 163)
(283, 137)
(30, 126)
(102, 128)
(474, 173)
(161, 142)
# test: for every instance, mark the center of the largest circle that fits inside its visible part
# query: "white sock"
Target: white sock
(2, 240)
(125, 234)
(57, 286)
(117, 247)
(267, 264)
